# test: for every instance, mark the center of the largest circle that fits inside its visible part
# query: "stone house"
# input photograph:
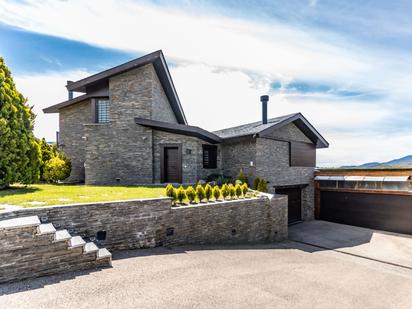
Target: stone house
(128, 127)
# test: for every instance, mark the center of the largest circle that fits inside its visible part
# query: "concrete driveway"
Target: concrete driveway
(382, 246)
(285, 275)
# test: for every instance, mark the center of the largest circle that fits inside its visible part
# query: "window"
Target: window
(209, 156)
(103, 111)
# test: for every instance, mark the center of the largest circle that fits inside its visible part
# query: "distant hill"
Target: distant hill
(404, 162)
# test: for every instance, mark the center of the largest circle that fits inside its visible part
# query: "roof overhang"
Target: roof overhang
(303, 124)
(159, 63)
(55, 108)
(180, 129)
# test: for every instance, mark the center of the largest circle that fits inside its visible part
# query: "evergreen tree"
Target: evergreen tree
(20, 156)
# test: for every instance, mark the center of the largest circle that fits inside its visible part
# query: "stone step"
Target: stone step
(14, 223)
(104, 254)
(76, 241)
(62, 235)
(90, 247)
(44, 229)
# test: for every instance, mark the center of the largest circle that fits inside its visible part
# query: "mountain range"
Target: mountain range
(404, 162)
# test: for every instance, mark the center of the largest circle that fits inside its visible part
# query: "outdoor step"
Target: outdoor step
(76, 241)
(90, 247)
(62, 235)
(103, 253)
(47, 228)
(20, 222)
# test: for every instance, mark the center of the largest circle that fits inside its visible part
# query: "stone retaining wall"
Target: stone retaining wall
(145, 223)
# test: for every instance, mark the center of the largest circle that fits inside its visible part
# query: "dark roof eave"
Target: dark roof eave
(55, 108)
(179, 129)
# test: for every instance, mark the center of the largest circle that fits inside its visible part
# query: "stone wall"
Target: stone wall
(238, 155)
(71, 120)
(145, 223)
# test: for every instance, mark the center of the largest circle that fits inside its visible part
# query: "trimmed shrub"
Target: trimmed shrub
(245, 189)
(200, 192)
(232, 191)
(263, 186)
(238, 190)
(191, 194)
(208, 192)
(56, 169)
(171, 191)
(216, 192)
(225, 191)
(241, 177)
(180, 194)
(256, 183)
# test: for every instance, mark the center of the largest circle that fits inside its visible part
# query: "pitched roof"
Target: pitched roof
(262, 130)
(159, 63)
(179, 129)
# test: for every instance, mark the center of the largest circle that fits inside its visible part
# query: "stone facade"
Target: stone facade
(71, 120)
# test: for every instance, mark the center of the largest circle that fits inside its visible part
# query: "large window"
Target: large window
(102, 110)
(209, 156)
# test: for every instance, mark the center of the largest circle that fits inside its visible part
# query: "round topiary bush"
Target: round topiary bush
(56, 169)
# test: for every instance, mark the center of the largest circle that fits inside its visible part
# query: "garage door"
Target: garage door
(294, 203)
(385, 212)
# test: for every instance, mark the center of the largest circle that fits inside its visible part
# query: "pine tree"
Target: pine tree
(20, 155)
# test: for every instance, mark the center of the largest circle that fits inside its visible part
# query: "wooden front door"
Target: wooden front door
(294, 203)
(172, 164)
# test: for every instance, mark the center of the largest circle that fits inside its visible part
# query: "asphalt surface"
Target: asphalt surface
(286, 275)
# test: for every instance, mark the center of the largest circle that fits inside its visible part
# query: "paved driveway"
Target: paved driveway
(378, 245)
(286, 275)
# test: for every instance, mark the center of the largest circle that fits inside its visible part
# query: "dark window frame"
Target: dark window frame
(95, 110)
(209, 156)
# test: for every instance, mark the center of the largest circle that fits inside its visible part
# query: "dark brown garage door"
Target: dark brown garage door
(171, 164)
(294, 203)
(386, 212)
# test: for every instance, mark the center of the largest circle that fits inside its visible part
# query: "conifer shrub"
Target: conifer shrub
(262, 186)
(208, 192)
(180, 194)
(56, 169)
(171, 192)
(191, 194)
(256, 183)
(200, 192)
(245, 189)
(225, 191)
(216, 193)
(238, 190)
(241, 177)
(232, 191)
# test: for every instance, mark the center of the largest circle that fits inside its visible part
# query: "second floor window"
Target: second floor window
(102, 111)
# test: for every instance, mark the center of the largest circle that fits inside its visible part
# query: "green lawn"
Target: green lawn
(46, 195)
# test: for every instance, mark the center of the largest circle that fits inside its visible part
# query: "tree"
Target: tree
(20, 156)
(47, 152)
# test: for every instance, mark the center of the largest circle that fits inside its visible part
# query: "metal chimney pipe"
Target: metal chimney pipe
(264, 99)
(70, 92)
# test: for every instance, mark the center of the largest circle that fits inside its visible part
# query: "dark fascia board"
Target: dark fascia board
(55, 108)
(180, 129)
(162, 71)
(303, 124)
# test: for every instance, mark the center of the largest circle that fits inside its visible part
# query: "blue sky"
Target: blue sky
(346, 65)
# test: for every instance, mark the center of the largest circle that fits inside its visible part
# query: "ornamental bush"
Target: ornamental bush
(56, 169)
(171, 191)
(225, 191)
(191, 194)
(241, 177)
(262, 186)
(216, 192)
(232, 191)
(245, 189)
(180, 194)
(208, 192)
(256, 183)
(238, 190)
(200, 192)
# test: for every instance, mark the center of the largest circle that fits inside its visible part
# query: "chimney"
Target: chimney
(70, 92)
(264, 99)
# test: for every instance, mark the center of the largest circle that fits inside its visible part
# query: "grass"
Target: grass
(47, 195)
